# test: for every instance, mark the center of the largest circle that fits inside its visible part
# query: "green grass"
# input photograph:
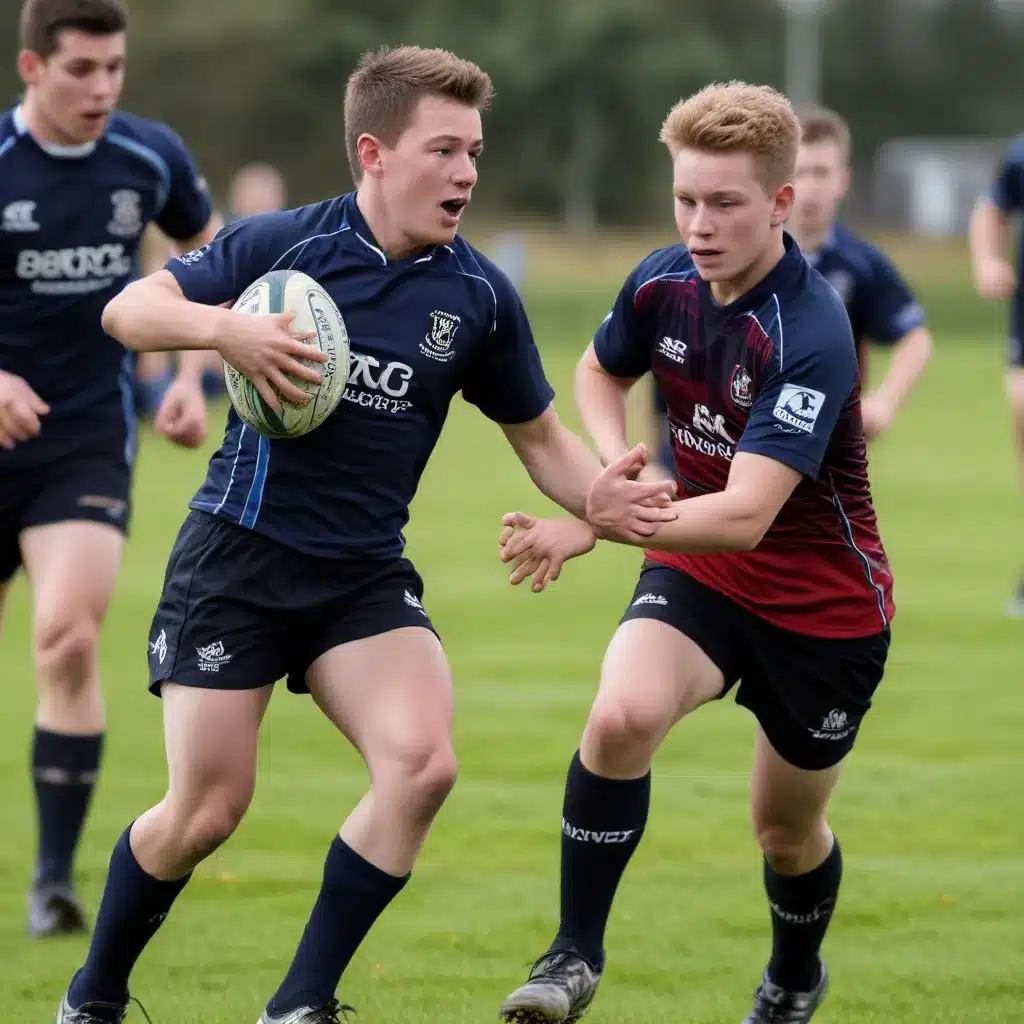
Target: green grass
(930, 811)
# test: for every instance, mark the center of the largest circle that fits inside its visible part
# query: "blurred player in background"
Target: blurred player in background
(881, 306)
(773, 575)
(79, 182)
(996, 279)
(291, 563)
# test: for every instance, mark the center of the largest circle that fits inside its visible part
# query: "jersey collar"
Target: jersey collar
(357, 222)
(52, 148)
(781, 277)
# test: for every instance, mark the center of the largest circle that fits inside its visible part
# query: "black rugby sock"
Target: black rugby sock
(352, 896)
(64, 771)
(133, 907)
(602, 823)
(801, 907)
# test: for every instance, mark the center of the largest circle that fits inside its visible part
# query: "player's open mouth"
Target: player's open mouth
(454, 207)
(705, 254)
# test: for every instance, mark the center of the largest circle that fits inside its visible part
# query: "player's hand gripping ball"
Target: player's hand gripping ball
(291, 291)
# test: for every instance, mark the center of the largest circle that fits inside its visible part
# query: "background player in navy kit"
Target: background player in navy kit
(881, 306)
(291, 561)
(996, 279)
(773, 573)
(78, 184)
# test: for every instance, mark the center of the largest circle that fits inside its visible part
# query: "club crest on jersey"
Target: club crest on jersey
(126, 221)
(739, 388)
(438, 343)
(19, 216)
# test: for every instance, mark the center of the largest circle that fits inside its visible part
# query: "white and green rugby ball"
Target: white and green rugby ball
(291, 291)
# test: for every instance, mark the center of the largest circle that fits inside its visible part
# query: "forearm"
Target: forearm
(148, 317)
(563, 469)
(601, 400)
(987, 233)
(707, 525)
(909, 358)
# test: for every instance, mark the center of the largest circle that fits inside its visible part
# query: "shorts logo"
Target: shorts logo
(836, 725)
(114, 507)
(438, 343)
(585, 835)
(212, 656)
(650, 599)
(19, 216)
(126, 221)
(413, 602)
(798, 407)
(158, 647)
(739, 388)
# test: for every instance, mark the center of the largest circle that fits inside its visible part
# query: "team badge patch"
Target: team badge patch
(438, 344)
(798, 407)
(126, 221)
(740, 386)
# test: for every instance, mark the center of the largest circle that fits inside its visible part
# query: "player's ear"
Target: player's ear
(369, 149)
(30, 66)
(783, 205)
(845, 175)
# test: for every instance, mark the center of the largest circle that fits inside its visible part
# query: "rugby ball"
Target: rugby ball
(291, 291)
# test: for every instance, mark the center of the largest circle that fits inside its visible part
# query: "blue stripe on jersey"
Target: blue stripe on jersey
(7, 143)
(848, 531)
(154, 159)
(259, 480)
(125, 379)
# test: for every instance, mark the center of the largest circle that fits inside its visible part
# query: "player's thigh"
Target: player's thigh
(391, 695)
(810, 695)
(72, 570)
(671, 653)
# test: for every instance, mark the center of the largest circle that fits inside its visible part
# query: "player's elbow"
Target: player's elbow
(112, 318)
(749, 526)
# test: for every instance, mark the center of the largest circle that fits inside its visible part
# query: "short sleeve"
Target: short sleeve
(220, 271)
(798, 406)
(621, 343)
(1008, 187)
(187, 207)
(891, 311)
(507, 382)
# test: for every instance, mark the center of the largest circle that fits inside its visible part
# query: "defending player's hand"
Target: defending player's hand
(262, 349)
(181, 417)
(621, 508)
(876, 415)
(995, 279)
(20, 409)
(540, 547)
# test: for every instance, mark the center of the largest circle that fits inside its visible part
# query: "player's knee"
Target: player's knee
(618, 729)
(426, 774)
(210, 823)
(65, 649)
(785, 845)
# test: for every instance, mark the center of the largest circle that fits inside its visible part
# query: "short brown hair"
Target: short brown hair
(819, 124)
(737, 117)
(383, 91)
(42, 21)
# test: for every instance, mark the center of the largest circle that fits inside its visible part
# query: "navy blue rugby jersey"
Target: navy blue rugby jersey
(421, 329)
(71, 221)
(1008, 195)
(880, 304)
(774, 373)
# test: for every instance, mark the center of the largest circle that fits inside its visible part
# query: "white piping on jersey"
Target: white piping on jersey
(151, 157)
(7, 143)
(231, 478)
(682, 275)
(865, 561)
(778, 317)
(478, 277)
(304, 242)
(379, 252)
(54, 149)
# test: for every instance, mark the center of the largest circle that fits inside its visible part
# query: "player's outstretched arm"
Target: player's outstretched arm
(910, 355)
(734, 519)
(563, 468)
(540, 547)
(994, 276)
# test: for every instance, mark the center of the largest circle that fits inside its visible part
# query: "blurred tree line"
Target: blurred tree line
(581, 85)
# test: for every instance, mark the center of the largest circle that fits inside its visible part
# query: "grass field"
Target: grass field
(931, 812)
